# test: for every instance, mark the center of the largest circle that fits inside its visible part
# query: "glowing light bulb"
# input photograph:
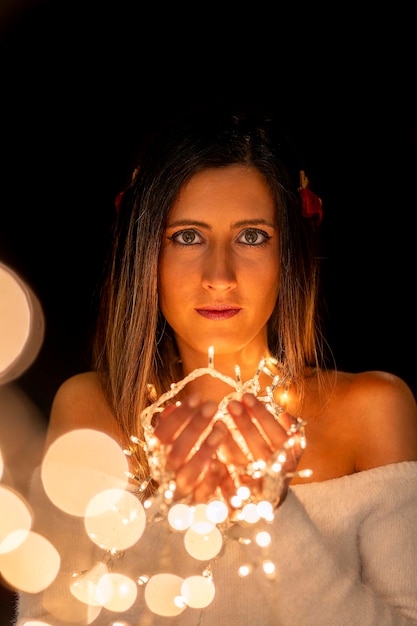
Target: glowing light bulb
(237, 373)
(243, 493)
(276, 467)
(142, 580)
(211, 356)
(236, 502)
(179, 601)
(284, 398)
(168, 494)
(263, 539)
(269, 568)
(244, 570)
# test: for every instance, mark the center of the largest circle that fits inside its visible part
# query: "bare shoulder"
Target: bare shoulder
(80, 403)
(80, 386)
(380, 411)
(374, 391)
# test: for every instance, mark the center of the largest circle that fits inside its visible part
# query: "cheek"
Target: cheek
(171, 282)
(269, 283)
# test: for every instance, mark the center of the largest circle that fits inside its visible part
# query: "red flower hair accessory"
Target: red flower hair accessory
(119, 197)
(118, 200)
(311, 204)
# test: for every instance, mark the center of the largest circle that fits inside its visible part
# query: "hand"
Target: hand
(263, 436)
(202, 455)
(190, 442)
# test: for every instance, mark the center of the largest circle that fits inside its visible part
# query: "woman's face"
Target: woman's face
(219, 263)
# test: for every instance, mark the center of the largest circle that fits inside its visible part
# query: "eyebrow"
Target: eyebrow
(254, 222)
(250, 222)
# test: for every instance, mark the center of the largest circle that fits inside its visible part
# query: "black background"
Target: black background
(81, 83)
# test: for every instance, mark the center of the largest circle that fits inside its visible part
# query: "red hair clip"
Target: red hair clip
(119, 197)
(311, 204)
(118, 200)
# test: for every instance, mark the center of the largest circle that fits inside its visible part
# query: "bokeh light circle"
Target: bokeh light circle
(18, 518)
(22, 325)
(163, 595)
(203, 546)
(84, 585)
(17, 566)
(116, 592)
(217, 511)
(35, 622)
(115, 519)
(198, 591)
(180, 516)
(80, 464)
(250, 513)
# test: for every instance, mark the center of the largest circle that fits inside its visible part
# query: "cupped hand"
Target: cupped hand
(190, 441)
(264, 436)
(204, 455)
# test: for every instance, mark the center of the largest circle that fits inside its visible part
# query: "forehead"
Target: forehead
(232, 188)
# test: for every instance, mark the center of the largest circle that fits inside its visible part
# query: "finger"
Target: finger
(213, 479)
(230, 452)
(191, 473)
(174, 418)
(189, 439)
(255, 440)
(275, 431)
(228, 487)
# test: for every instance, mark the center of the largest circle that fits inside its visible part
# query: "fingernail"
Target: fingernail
(249, 399)
(235, 407)
(215, 437)
(193, 400)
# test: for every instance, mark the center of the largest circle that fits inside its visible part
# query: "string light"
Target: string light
(206, 527)
(271, 470)
(116, 521)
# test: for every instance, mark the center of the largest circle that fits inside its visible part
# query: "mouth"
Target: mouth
(218, 313)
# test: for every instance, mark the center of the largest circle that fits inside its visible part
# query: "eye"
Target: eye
(186, 237)
(253, 237)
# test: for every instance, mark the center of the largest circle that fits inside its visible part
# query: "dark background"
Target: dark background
(82, 82)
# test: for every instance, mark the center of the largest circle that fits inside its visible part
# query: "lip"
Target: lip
(218, 313)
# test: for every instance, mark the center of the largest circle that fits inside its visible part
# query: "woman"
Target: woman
(215, 266)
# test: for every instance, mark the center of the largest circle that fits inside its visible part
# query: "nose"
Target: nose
(219, 271)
